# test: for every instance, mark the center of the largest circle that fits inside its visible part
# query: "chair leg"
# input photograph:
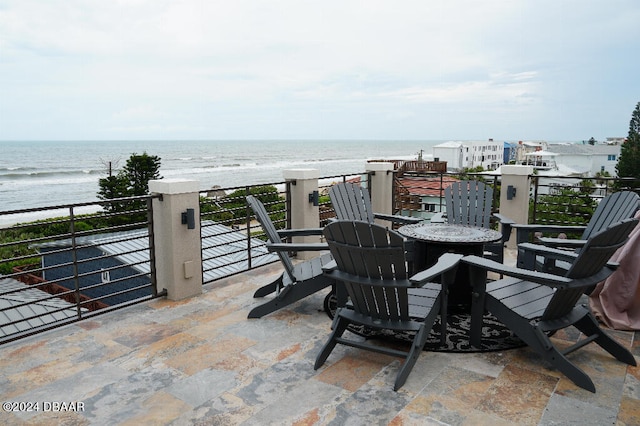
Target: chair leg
(537, 340)
(444, 300)
(560, 362)
(589, 327)
(414, 353)
(289, 294)
(340, 325)
(269, 288)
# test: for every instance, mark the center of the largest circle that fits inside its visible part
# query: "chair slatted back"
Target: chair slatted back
(613, 208)
(270, 231)
(590, 263)
(374, 260)
(351, 202)
(469, 203)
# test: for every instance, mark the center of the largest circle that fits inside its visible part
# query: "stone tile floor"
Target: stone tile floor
(201, 361)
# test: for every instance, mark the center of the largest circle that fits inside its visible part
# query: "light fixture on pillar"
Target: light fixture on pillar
(314, 197)
(189, 219)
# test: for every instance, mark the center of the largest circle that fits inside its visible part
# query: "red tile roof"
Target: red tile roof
(423, 186)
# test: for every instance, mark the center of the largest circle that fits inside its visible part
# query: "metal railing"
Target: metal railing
(229, 234)
(90, 258)
(568, 200)
(77, 261)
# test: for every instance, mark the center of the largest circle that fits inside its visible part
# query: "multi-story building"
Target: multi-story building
(589, 159)
(470, 154)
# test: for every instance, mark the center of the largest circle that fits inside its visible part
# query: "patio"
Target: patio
(201, 361)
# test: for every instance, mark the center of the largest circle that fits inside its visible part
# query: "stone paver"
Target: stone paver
(201, 361)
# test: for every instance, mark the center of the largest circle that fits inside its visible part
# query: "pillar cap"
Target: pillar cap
(173, 186)
(512, 169)
(379, 167)
(295, 174)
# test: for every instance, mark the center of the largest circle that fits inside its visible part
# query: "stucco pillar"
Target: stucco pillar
(515, 206)
(304, 214)
(381, 187)
(178, 249)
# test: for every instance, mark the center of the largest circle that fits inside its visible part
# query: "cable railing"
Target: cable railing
(570, 200)
(80, 260)
(231, 243)
(232, 240)
(74, 262)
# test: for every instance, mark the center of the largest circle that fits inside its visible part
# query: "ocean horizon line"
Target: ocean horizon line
(296, 140)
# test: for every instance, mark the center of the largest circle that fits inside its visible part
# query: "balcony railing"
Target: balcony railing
(70, 265)
(86, 259)
(581, 195)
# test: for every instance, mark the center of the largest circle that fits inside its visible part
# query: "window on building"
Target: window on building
(611, 157)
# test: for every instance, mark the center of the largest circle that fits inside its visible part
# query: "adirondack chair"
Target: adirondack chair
(469, 203)
(536, 304)
(297, 281)
(371, 262)
(352, 202)
(613, 208)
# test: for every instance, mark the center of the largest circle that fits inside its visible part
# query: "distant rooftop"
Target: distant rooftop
(19, 306)
(427, 187)
(586, 149)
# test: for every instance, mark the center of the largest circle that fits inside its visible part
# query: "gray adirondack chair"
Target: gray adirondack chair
(469, 203)
(371, 262)
(352, 202)
(297, 281)
(613, 208)
(536, 304)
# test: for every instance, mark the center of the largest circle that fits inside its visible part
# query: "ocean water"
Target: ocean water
(35, 174)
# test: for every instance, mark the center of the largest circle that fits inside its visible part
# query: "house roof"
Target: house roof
(224, 250)
(449, 144)
(20, 302)
(426, 187)
(576, 149)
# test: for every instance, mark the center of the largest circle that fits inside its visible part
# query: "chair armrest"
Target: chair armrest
(507, 224)
(398, 218)
(297, 246)
(445, 263)
(524, 230)
(524, 274)
(503, 219)
(283, 233)
(548, 252)
(562, 242)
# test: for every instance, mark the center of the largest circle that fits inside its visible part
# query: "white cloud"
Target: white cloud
(116, 63)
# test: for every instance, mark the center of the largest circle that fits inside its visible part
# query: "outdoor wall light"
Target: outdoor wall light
(314, 197)
(189, 219)
(511, 192)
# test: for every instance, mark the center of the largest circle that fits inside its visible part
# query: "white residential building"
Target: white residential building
(469, 154)
(589, 159)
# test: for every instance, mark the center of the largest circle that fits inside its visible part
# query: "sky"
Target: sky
(555, 70)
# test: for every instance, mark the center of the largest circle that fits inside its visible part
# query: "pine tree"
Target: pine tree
(629, 162)
(132, 180)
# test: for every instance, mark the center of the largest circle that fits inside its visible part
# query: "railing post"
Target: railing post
(381, 188)
(177, 238)
(305, 212)
(515, 206)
